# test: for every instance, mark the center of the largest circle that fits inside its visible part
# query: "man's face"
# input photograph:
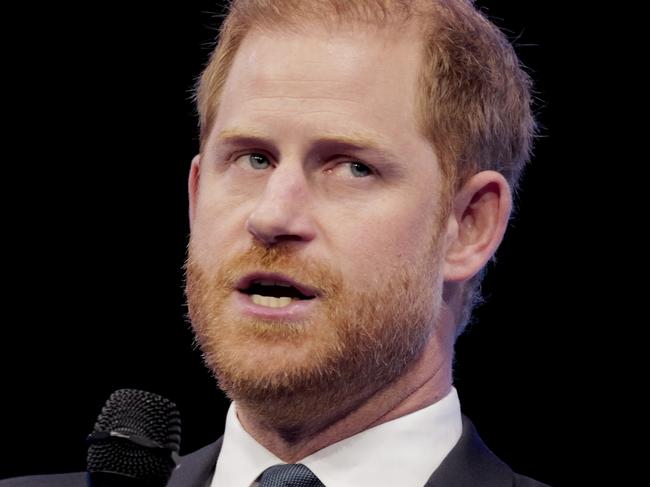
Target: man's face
(314, 169)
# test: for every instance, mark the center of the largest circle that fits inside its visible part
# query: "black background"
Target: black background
(97, 228)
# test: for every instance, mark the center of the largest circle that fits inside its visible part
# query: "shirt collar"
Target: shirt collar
(404, 451)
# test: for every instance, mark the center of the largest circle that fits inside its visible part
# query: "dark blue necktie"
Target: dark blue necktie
(290, 475)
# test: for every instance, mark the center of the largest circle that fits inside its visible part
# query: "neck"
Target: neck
(428, 381)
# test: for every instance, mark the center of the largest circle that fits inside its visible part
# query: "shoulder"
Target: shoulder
(472, 464)
(77, 479)
(521, 481)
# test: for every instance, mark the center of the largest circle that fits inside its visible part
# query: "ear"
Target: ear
(477, 224)
(193, 185)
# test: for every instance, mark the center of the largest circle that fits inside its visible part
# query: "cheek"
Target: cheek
(215, 229)
(366, 251)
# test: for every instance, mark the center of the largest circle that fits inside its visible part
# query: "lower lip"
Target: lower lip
(298, 309)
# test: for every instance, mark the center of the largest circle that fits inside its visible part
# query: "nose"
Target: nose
(282, 211)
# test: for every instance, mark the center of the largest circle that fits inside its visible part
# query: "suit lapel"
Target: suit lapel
(197, 468)
(471, 464)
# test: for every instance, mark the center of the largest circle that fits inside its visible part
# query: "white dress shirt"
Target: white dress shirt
(404, 451)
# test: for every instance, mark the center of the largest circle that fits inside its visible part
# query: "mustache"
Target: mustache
(281, 258)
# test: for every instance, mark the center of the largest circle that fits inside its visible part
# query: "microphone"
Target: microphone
(135, 441)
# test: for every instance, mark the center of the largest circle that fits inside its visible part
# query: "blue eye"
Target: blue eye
(256, 159)
(359, 170)
(360, 167)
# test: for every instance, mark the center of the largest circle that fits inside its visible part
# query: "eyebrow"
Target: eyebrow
(351, 140)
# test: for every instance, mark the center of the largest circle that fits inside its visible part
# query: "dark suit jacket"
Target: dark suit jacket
(469, 464)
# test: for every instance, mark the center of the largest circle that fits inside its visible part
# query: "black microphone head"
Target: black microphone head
(136, 436)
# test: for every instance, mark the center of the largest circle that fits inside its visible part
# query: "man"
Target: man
(355, 176)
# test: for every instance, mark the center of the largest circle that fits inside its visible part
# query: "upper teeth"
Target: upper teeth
(272, 302)
(273, 283)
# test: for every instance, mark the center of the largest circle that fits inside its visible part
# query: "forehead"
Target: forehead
(364, 76)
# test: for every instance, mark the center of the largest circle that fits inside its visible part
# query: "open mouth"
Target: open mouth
(274, 294)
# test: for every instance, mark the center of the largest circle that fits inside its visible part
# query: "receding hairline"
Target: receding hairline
(404, 29)
(302, 15)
